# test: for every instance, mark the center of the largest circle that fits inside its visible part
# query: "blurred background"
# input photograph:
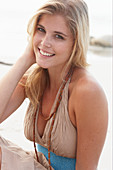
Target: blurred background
(14, 16)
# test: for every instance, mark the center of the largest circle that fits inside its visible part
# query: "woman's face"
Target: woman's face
(52, 41)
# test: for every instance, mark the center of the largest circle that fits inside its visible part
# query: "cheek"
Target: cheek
(36, 39)
(68, 48)
(61, 46)
(35, 45)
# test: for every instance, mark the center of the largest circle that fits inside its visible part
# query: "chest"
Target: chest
(48, 107)
(45, 111)
(63, 134)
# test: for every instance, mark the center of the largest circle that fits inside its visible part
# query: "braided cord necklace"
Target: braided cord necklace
(52, 115)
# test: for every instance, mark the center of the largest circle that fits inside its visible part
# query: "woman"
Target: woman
(67, 114)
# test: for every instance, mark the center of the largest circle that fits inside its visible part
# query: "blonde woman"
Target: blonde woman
(67, 115)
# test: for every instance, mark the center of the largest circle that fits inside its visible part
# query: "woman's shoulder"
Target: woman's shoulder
(85, 88)
(83, 82)
(87, 96)
(27, 74)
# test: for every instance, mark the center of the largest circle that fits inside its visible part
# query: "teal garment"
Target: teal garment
(58, 162)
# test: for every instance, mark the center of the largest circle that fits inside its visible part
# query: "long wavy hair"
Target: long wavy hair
(76, 14)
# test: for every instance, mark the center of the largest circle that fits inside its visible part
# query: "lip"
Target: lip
(45, 52)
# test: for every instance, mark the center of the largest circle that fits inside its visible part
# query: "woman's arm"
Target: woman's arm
(91, 111)
(11, 92)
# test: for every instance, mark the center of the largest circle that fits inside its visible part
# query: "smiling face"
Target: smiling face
(52, 41)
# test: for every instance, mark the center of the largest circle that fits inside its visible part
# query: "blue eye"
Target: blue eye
(40, 29)
(59, 37)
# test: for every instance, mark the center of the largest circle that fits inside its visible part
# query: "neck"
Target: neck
(56, 77)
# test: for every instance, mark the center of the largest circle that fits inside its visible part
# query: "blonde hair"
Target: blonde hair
(76, 14)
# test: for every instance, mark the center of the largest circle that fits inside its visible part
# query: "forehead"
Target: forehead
(55, 22)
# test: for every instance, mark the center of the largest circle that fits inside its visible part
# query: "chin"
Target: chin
(42, 65)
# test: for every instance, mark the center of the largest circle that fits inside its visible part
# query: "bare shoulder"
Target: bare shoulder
(26, 75)
(85, 86)
(87, 96)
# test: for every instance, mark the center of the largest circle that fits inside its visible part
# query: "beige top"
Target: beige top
(64, 134)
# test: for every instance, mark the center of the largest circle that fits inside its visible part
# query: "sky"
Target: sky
(98, 6)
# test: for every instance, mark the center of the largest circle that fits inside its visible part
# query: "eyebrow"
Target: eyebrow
(57, 32)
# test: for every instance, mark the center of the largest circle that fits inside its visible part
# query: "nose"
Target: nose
(46, 41)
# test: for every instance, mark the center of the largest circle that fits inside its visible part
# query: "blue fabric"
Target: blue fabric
(58, 162)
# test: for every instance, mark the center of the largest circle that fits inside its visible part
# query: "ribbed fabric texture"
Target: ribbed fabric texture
(58, 162)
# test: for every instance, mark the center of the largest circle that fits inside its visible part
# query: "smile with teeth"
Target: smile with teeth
(45, 54)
